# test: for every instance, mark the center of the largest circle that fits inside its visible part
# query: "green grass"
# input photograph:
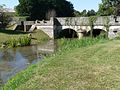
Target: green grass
(68, 44)
(7, 35)
(24, 41)
(21, 41)
(94, 67)
(39, 37)
(10, 27)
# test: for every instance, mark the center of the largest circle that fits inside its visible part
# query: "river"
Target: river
(14, 60)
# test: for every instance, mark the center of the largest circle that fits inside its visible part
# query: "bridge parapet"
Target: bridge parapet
(44, 22)
(85, 21)
(67, 21)
(29, 22)
(54, 26)
(18, 23)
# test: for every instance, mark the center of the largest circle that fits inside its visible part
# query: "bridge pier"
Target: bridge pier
(25, 28)
(80, 35)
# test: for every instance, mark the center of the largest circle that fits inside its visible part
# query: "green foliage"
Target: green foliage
(77, 13)
(92, 20)
(30, 8)
(103, 11)
(12, 42)
(23, 8)
(68, 44)
(20, 78)
(109, 7)
(91, 13)
(22, 41)
(107, 25)
(85, 13)
(5, 17)
(38, 36)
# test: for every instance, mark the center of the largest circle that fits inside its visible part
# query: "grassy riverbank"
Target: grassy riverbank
(93, 67)
(7, 35)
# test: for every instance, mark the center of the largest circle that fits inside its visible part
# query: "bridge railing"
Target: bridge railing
(84, 21)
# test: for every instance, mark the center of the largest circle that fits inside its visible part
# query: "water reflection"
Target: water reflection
(15, 60)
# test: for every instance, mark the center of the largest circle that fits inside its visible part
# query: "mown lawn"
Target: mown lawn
(38, 36)
(95, 67)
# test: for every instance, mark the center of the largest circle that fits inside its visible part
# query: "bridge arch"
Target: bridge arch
(96, 32)
(68, 33)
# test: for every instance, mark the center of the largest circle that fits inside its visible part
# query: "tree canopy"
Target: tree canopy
(5, 18)
(85, 13)
(40, 9)
(91, 13)
(109, 7)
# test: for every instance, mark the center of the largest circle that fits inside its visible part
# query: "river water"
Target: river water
(14, 60)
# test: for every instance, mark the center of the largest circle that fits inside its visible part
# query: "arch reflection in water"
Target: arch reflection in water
(15, 60)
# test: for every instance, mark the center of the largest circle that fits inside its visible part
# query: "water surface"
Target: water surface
(14, 60)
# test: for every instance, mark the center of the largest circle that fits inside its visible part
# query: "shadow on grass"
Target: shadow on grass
(12, 32)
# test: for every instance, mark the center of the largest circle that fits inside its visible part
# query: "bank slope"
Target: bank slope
(94, 67)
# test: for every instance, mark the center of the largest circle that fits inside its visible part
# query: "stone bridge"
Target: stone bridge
(76, 27)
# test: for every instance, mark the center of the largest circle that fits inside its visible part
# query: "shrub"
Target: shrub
(68, 44)
(12, 42)
(22, 41)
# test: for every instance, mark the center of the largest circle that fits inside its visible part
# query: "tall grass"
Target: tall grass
(21, 41)
(12, 43)
(38, 36)
(21, 78)
(24, 41)
(68, 44)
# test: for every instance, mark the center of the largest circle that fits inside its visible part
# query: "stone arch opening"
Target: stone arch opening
(68, 33)
(97, 32)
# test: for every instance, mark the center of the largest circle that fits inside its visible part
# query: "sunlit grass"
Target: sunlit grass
(68, 44)
(8, 35)
(92, 65)
(21, 41)
(39, 37)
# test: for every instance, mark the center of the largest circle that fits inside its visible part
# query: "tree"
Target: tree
(50, 13)
(77, 13)
(4, 17)
(84, 13)
(109, 7)
(39, 9)
(91, 13)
